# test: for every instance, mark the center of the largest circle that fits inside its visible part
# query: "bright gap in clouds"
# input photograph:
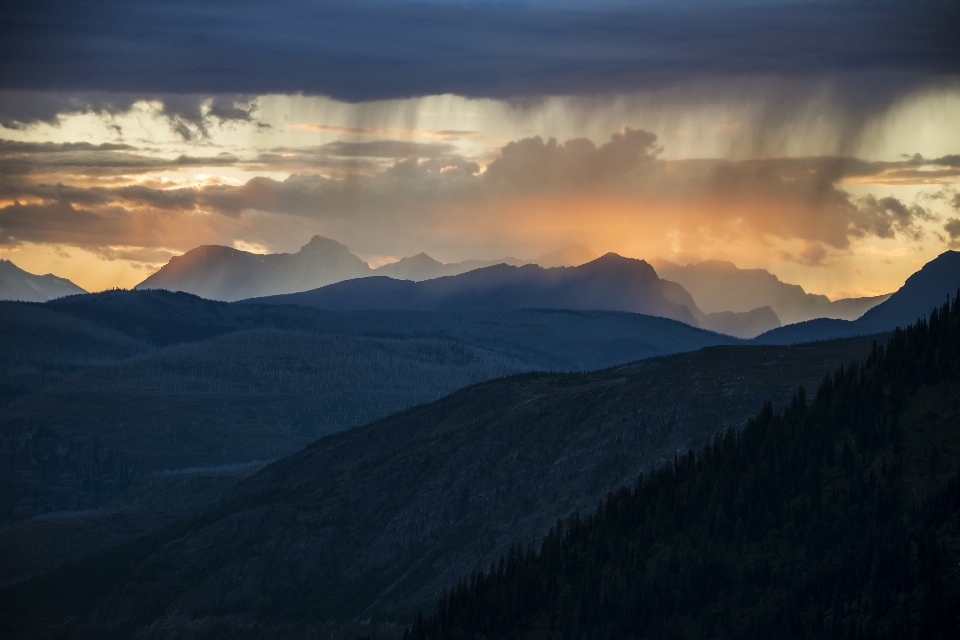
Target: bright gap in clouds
(737, 171)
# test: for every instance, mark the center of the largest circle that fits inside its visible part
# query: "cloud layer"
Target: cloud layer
(366, 50)
(531, 186)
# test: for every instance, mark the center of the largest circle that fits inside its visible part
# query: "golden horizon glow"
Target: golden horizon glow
(725, 180)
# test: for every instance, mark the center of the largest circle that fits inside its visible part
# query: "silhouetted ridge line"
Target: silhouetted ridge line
(721, 286)
(934, 283)
(610, 283)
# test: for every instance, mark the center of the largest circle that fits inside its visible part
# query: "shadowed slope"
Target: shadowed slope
(371, 523)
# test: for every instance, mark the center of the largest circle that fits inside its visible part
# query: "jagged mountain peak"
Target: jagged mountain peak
(18, 284)
(322, 243)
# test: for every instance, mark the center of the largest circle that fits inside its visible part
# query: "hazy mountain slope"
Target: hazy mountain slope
(423, 267)
(223, 273)
(720, 286)
(373, 522)
(418, 267)
(17, 284)
(566, 257)
(924, 290)
(745, 324)
(608, 283)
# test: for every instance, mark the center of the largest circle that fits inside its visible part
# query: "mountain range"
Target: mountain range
(17, 284)
(173, 405)
(719, 286)
(611, 283)
(719, 296)
(934, 283)
(223, 273)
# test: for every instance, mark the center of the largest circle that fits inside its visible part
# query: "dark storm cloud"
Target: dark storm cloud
(363, 50)
(189, 115)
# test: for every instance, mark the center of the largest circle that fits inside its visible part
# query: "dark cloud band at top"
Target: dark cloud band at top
(370, 50)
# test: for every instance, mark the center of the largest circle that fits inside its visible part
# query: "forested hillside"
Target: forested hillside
(97, 390)
(372, 523)
(834, 518)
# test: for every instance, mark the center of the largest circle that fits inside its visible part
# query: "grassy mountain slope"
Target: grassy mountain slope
(838, 518)
(373, 522)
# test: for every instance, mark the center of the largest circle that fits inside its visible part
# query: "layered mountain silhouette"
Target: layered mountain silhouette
(746, 324)
(423, 267)
(611, 283)
(17, 284)
(720, 286)
(927, 288)
(223, 273)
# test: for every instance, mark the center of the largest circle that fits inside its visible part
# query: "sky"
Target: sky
(818, 140)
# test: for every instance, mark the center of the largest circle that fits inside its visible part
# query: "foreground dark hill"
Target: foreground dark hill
(372, 523)
(838, 518)
(98, 390)
(936, 282)
(609, 283)
(17, 284)
(720, 286)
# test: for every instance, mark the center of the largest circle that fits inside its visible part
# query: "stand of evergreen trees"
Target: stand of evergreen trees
(804, 525)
